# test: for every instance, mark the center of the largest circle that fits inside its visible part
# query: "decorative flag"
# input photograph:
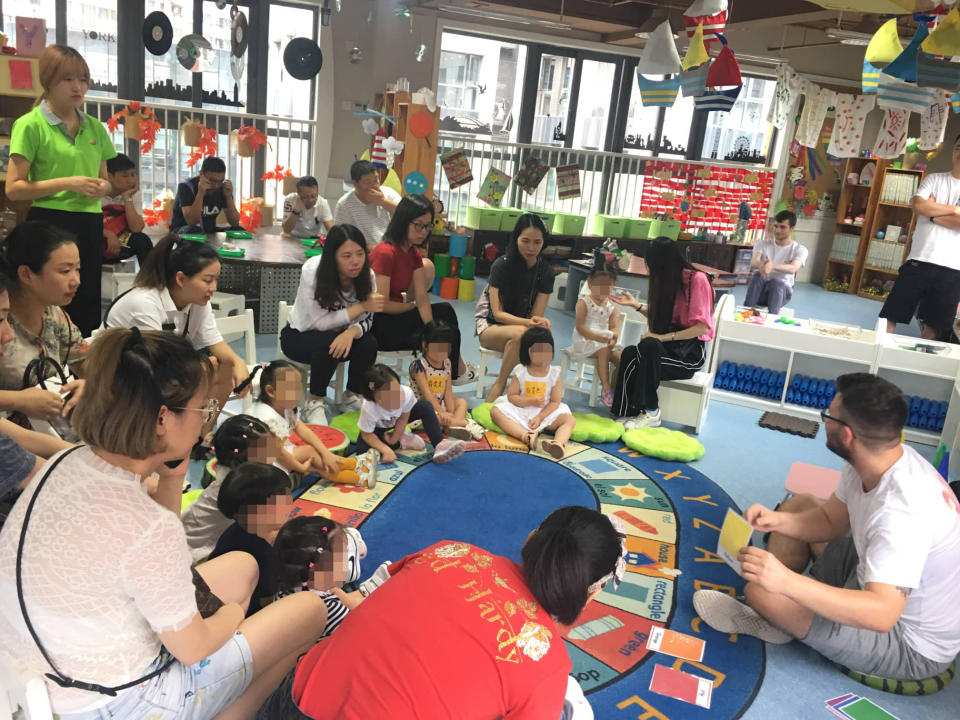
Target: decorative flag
(871, 77)
(724, 70)
(494, 187)
(696, 54)
(530, 174)
(658, 93)
(568, 181)
(693, 82)
(660, 56)
(892, 138)
(712, 14)
(885, 44)
(905, 66)
(945, 40)
(932, 72)
(900, 95)
(456, 167)
(378, 154)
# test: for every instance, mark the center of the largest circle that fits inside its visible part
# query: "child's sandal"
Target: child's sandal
(530, 438)
(553, 448)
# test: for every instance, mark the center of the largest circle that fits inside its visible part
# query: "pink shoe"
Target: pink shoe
(409, 441)
(447, 450)
(606, 397)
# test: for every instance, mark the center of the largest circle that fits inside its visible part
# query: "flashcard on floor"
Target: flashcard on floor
(734, 535)
(832, 703)
(864, 709)
(671, 642)
(681, 686)
(838, 708)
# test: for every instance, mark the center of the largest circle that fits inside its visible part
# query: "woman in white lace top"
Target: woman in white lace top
(105, 576)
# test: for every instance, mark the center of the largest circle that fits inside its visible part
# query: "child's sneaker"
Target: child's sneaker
(379, 577)
(447, 450)
(606, 397)
(476, 430)
(408, 441)
(459, 432)
(367, 468)
(314, 412)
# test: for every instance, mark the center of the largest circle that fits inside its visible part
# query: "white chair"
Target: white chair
(685, 401)
(226, 304)
(585, 380)
(29, 693)
(283, 312)
(117, 274)
(482, 373)
(237, 326)
(398, 360)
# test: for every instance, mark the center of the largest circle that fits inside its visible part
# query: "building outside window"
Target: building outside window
(743, 134)
(553, 99)
(92, 30)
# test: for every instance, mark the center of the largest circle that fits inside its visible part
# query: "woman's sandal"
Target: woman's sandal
(553, 448)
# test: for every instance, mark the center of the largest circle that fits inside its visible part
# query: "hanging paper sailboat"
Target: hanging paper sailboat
(724, 71)
(660, 57)
(945, 40)
(884, 46)
(712, 14)
(955, 103)
(693, 83)
(905, 65)
(871, 77)
(935, 73)
(696, 54)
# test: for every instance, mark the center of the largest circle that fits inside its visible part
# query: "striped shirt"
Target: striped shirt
(336, 610)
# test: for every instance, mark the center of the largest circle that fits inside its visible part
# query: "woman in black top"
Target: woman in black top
(515, 298)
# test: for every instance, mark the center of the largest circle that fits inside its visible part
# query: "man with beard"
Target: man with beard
(882, 591)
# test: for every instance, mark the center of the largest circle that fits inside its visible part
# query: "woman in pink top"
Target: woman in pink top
(680, 319)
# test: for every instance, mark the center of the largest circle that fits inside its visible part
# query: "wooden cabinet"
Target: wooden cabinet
(14, 102)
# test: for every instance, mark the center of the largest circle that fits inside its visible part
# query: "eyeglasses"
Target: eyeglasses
(824, 415)
(209, 410)
(422, 227)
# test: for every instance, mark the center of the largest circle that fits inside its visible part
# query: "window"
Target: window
(553, 99)
(286, 95)
(92, 30)
(166, 79)
(676, 127)
(479, 85)
(220, 90)
(743, 133)
(643, 122)
(593, 104)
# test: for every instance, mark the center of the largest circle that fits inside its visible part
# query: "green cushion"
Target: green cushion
(660, 442)
(188, 498)
(904, 687)
(347, 423)
(481, 413)
(594, 428)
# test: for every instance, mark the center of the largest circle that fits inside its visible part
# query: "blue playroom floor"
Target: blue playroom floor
(797, 681)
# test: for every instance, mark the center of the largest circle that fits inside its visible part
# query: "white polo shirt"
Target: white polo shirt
(372, 220)
(153, 309)
(310, 224)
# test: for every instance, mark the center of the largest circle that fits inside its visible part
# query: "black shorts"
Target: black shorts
(931, 291)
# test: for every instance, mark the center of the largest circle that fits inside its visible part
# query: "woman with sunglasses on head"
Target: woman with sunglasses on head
(99, 600)
(399, 267)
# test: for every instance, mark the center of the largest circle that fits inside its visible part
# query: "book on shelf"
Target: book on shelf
(892, 233)
(898, 188)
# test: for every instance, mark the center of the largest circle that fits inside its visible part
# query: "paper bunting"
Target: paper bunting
(711, 14)
(530, 174)
(885, 44)
(568, 181)
(718, 100)
(816, 102)
(935, 73)
(456, 167)
(945, 40)
(933, 122)
(892, 138)
(871, 76)
(724, 70)
(494, 186)
(899, 95)
(660, 56)
(905, 66)
(847, 136)
(696, 54)
(694, 82)
(785, 96)
(658, 93)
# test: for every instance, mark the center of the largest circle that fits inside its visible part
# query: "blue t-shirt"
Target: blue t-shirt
(15, 465)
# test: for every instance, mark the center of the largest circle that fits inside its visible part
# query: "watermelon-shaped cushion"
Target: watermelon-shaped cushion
(481, 413)
(594, 428)
(336, 441)
(660, 442)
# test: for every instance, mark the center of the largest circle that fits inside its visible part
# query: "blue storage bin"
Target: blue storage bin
(458, 246)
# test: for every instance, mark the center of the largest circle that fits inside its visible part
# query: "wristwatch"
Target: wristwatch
(296, 212)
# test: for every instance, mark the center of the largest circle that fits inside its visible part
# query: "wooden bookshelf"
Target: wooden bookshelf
(863, 197)
(16, 102)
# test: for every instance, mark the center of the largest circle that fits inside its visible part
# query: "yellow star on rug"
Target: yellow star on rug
(630, 492)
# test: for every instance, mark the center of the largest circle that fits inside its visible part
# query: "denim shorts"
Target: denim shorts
(185, 692)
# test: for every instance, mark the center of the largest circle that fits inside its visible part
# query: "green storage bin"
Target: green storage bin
(547, 217)
(639, 228)
(665, 228)
(483, 218)
(568, 224)
(468, 266)
(508, 218)
(610, 225)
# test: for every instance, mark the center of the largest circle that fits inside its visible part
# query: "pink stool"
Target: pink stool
(812, 479)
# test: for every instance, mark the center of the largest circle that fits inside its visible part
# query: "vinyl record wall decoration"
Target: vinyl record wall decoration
(157, 33)
(195, 53)
(239, 32)
(302, 58)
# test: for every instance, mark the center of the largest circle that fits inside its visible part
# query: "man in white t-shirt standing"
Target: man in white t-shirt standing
(369, 206)
(305, 213)
(882, 594)
(928, 284)
(775, 264)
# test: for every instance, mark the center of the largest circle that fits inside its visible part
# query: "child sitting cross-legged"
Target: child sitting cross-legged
(389, 404)
(431, 379)
(257, 498)
(281, 386)
(534, 399)
(597, 326)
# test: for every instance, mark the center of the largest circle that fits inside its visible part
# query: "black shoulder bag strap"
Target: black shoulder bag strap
(56, 676)
(106, 315)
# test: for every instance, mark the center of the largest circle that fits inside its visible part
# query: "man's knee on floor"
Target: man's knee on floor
(799, 503)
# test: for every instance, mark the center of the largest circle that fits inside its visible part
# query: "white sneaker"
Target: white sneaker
(367, 468)
(409, 441)
(650, 418)
(447, 450)
(379, 577)
(351, 403)
(469, 375)
(728, 615)
(314, 413)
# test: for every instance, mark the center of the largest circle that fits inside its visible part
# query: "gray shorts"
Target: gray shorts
(885, 654)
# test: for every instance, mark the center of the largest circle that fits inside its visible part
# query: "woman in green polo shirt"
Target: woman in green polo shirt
(58, 159)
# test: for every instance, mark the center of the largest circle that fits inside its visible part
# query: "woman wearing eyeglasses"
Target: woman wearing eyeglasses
(102, 595)
(399, 268)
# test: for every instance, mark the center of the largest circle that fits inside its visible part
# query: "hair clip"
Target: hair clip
(244, 437)
(236, 451)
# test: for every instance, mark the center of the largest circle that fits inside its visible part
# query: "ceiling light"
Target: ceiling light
(853, 37)
(481, 14)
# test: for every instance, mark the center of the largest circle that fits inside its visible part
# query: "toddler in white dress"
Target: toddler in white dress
(598, 324)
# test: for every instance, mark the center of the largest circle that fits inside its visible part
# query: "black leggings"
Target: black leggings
(402, 332)
(313, 347)
(87, 227)
(424, 411)
(644, 366)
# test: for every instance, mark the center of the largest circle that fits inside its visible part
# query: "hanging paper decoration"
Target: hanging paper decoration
(279, 173)
(712, 14)
(160, 213)
(905, 66)
(892, 138)
(815, 105)
(933, 122)
(693, 82)
(251, 214)
(884, 46)
(370, 126)
(140, 123)
(456, 167)
(392, 147)
(870, 78)
(493, 187)
(897, 94)
(945, 40)
(568, 181)
(718, 100)
(848, 126)
(530, 174)
(415, 183)
(249, 139)
(392, 181)
(658, 93)
(935, 73)
(724, 70)
(955, 103)
(696, 54)
(785, 96)
(660, 56)
(378, 155)
(206, 146)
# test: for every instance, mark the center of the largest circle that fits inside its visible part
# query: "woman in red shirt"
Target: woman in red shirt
(680, 315)
(398, 265)
(457, 632)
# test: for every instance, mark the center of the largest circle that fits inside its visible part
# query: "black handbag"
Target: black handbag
(36, 374)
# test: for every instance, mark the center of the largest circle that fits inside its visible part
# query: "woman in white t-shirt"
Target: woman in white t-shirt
(172, 292)
(107, 588)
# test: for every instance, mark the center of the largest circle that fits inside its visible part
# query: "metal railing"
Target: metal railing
(290, 144)
(610, 183)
